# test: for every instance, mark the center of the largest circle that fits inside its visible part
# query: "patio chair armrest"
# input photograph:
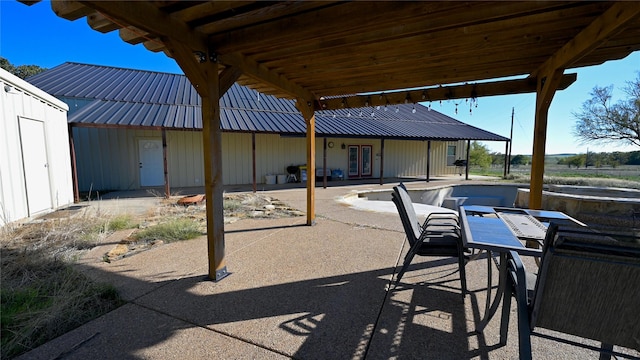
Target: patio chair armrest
(442, 221)
(443, 215)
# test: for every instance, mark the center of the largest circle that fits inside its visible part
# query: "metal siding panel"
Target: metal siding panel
(80, 136)
(177, 160)
(93, 160)
(275, 153)
(185, 159)
(237, 161)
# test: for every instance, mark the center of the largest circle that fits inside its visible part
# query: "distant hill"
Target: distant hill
(560, 155)
(550, 155)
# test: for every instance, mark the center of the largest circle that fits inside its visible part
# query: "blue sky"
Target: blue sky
(35, 35)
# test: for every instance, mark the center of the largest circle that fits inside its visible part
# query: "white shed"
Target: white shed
(35, 161)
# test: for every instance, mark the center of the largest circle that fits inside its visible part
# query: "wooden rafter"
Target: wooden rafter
(154, 21)
(384, 22)
(466, 91)
(70, 10)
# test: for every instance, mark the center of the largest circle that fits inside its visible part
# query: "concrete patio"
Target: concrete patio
(295, 291)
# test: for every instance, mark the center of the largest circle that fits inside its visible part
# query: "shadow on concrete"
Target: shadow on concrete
(333, 317)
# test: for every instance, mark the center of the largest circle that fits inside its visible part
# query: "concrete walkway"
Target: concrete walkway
(294, 291)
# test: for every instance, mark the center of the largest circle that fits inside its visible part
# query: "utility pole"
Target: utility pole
(510, 143)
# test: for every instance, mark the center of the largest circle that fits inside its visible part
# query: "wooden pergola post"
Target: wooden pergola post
(547, 85)
(214, 190)
(306, 108)
(204, 73)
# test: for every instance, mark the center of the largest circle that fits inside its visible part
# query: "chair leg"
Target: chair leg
(407, 261)
(463, 273)
(504, 319)
(605, 353)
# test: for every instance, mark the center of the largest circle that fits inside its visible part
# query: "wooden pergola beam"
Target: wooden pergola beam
(260, 72)
(466, 91)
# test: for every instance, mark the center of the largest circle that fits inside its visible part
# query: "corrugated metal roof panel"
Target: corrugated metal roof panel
(138, 98)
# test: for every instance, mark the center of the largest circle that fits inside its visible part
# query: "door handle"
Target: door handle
(140, 165)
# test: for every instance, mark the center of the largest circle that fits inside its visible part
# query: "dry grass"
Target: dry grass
(42, 295)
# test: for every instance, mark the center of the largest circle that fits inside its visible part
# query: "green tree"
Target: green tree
(497, 158)
(21, 71)
(479, 155)
(576, 160)
(600, 121)
(520, 160)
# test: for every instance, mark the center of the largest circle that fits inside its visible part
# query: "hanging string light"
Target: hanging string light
(474, 100)
(414, 109)
(426, 97)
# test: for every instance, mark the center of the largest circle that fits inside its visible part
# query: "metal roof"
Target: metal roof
(136, 98)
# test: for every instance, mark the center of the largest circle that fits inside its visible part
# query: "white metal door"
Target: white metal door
(151, 162)
(35, 165)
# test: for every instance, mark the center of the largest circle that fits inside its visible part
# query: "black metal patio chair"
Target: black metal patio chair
(588, 285)
(439, 235)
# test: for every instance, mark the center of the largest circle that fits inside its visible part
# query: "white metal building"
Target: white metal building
(35, 164)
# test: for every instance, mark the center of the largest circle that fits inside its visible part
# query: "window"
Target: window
(451, 155)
